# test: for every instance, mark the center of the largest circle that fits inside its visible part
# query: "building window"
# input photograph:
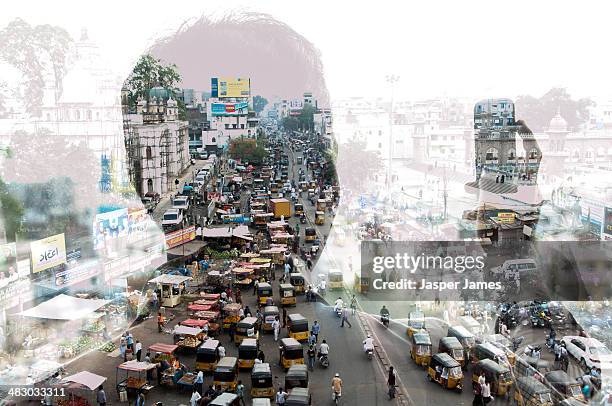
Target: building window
(213, 140)
(150, 186)
(534, 153)
(511, 154)
(227, 126)
(492, 154)
(148, 153)
(242, 126)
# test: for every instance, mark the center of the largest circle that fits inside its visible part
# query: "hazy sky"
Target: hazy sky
(469, 48)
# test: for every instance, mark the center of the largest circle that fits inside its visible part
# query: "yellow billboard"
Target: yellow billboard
(231, 87)
(48, 252)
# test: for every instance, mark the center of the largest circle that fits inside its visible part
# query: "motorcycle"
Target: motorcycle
(370, 353)
(385, 321)
(516, 342)
(303, 219)
(338, 311)
(336, 396)
(323, 360)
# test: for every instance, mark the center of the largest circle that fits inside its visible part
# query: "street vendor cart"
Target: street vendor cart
(131, 377)
(172, 287)
(163, 352)
(188, 338)
(232, 314)
(80, 389)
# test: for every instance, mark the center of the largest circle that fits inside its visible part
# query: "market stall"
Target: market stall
(135, 377)
(163, 352)
(243, 277)
(188, 338)
(172, 287)
(80, 389)
(199, 323)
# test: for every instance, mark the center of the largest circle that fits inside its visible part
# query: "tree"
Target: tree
(537, 112)
(248, 150)
(12, 212)
(306, 117)
(259, 103)
(149, 73)
(290, 123)
(30, 49)
(356, 165)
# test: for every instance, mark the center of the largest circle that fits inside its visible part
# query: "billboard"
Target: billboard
(229, 109)
(607, 228)
(230, 87)
(48, 252)
(110, 225)
(180, 237)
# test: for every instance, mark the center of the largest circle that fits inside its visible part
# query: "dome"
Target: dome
(171, 102)
(558, 123)
(159, 92)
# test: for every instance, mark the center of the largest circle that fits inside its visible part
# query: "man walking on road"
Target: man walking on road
(311, 357)
(276, 328)
(345, 316)
(138, 350)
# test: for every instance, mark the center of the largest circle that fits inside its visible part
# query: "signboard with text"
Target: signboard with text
(229, 109)
(230, 87)
(506, 218)
(48, 252)
(607, 228)
(176, 238)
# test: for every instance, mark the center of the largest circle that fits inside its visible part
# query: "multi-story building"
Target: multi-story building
(157, 143)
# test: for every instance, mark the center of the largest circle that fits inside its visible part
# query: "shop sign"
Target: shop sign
(77, 274)
(507, 218)
(48, 252)
(15, 289)
(180, 237)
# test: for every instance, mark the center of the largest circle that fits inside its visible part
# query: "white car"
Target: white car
(180, 202)
(588, 351)
(172, 217)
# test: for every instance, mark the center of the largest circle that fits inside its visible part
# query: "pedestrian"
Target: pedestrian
(221, 351)
(477, 395)
(240, 392)
(354, 304)
(138, 349)
(486, 392)
(195, 397)
(154, 300)
(261, 356)
(232, 331)
(160, 322)
(238, 296)
(276, 328)
(130, 341)
(315, 329)
(199, 382)
(311, 339)
(140, 400)
(284, 317)
(280, 396)
(481, 380)
(247, 311)
(345, 316)
(101, 396)
(391, 382)
(311, 357)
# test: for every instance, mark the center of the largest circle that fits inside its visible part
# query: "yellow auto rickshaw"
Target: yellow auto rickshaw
(298, 209)
(310, 234)
(287, 294)
(261, 381)
(291, 353)
(489, 351)
(361, 283)
(246, 328)
(529, 391)
(207, 355)
(416, 323)
(296, 377)
(247, 352)
(499, 376)
(264, 291)
(452, 347)
(232, 314)
(563, 386)
(321, 204)
(336, 279)
(446, 371)
(420, 350)
(225, 376)
(297, 280)
(297, 327)
(502, 342)
(270, 313)
(319, 218)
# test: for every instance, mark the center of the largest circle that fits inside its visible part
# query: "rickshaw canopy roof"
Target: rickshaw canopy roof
(247, 321)
(163, 348)
(249, 342)
(270, 309)
(286, 286)
(227, 363)
(490, 365)
(290, 343)
(421, 339)
(297, 371)
(416, 316)
(445, 360)
(559, 377)
(209, 345)
(263, 286)
(462, 331)
(261, 402)
(186, 330)
(224, 399)
(451, 343)
(261, 369)
(530, 386)
(298, 396)
(297, 318)
(334, 271)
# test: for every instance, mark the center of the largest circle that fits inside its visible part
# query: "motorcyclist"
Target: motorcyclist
(323, 349)
(337, 384)
(368, 344)
(384, 312)
(339, 304)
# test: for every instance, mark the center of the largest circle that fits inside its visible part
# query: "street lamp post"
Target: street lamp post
(391, 79)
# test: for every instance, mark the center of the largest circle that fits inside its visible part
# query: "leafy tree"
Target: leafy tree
(29, 49)
(537, 112)
(247, 149)
(12, 212)
(149, 73)
(356, 165)
(259, 103)
(306, 117)
(290, 123)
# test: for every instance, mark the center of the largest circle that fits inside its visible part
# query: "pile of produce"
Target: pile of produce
(107, 347)
(190, 342)
(94, 327)
(133, 382)
(75, 346)
(214, 254)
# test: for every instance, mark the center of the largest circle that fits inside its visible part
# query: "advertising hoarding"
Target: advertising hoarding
(176, 238)
(110, 225)
(77, 273)
(230, 87)
(48, 252)
(607, 228)
(229, 109)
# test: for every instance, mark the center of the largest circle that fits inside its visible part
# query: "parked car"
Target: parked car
(588, 351)
(180, 202)
(172, 217)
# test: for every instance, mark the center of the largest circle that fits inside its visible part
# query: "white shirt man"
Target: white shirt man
(339, 304)
(221, 350)
(368, 343)
(276, 328)
(324, 349)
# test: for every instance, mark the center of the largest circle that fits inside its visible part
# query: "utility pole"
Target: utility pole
(391, 79)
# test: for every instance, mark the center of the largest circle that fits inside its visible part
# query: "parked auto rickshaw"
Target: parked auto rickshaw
(261, 382)
(502, 342)
(529, 366)
(499, 376)
(489, 351)
(319, 218)
(452, 347)
(563, 386)
(321, 204)
(310, 234)
(296, 377)
(297, 280)
(269, 315)
(207, 355)
(529, 391)
(247, 352)
(335, 278)
(420, 350)
(286, 292)
(416, 323)
(226, 399)
(298, 209)
(232, 314)
(446, 371)
(297, 326)
(362, 283)
(466, 339)
(304, 186)
(298, 397)
(226, 374)
(291, 352)
(264, 291)
(246, 328)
